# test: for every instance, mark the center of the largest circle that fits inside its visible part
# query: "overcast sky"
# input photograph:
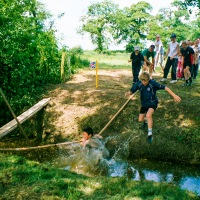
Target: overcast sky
(67, 26)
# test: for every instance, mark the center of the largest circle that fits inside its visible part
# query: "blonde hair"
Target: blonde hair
(145, 76)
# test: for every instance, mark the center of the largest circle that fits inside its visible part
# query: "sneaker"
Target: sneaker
(150, 139)
(163, 80)
(173, 81)
(190, 83)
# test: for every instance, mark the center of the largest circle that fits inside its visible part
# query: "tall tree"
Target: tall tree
(28, 53)
(137, 16)
(170, 20)
(97, 22)
(192, 3)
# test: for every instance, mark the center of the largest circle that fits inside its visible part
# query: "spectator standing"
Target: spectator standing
(172, 60)
(149, 53)
(180, 74)
(187, 62)
(136, 58)
(159, 51)
(196, 60)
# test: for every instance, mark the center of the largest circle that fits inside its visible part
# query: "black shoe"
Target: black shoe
(144, 125)
(185, 84)
(190, 83)
(150, 139)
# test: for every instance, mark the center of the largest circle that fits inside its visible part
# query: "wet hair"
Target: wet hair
(145, 76)
(89, 131)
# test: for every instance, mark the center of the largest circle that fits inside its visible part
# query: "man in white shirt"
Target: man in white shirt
(159, 51)
(172, 59)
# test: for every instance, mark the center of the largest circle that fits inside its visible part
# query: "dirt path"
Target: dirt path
(77, 103)
(78, 98)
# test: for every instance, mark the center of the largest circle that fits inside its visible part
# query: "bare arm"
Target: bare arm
(147, 61)
(167, 53)
(176, 97)
(130, 60)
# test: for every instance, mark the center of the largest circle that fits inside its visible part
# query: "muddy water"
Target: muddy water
(91, 163)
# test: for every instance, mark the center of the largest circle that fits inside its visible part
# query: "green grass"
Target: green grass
(179, 139)
(112, 61)
(24, 179)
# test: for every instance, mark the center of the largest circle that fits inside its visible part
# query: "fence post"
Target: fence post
(62, 70)
(69, 67)
(13, 114)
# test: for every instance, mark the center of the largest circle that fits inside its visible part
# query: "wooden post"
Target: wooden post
(39, 122)
(13, 114)
(97, 81)
(62, 70)
(69, 67)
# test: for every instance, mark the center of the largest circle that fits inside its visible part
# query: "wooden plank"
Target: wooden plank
(10, 126)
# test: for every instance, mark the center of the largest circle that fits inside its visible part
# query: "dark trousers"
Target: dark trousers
(171, 63)
(195, 70)
(136, 71)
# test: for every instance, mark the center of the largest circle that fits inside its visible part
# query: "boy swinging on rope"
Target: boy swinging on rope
(149, 99)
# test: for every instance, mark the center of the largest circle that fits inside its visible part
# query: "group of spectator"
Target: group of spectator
(183, 59)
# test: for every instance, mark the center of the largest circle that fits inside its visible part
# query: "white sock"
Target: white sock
(149, 132)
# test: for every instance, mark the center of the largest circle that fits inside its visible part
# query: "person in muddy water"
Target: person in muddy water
(94, 141)
(148, 98)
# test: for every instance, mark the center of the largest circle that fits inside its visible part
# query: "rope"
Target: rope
(68, 143)
(117, 113)
(38, 147)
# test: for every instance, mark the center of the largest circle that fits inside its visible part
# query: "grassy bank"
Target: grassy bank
(176, 137)
(24, 179)
(176, 125)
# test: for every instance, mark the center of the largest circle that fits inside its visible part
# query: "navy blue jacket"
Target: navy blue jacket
(148, 93)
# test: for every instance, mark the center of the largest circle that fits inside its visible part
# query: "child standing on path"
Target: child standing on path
(136, 58)
(149, 99)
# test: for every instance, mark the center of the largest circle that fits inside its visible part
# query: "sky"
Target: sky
(68, 25)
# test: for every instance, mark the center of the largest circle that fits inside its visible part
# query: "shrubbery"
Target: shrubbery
(30, 56)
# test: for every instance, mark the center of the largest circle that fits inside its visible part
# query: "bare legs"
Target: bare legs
(148, 117)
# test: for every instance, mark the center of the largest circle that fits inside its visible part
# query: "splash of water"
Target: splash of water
(91, 161)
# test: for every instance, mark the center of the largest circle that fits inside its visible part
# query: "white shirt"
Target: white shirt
(158, 45)
(173, 50)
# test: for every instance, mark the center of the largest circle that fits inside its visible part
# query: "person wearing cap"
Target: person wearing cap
(149, 53)
(159, 51)
(172, 59)
(136, 58)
